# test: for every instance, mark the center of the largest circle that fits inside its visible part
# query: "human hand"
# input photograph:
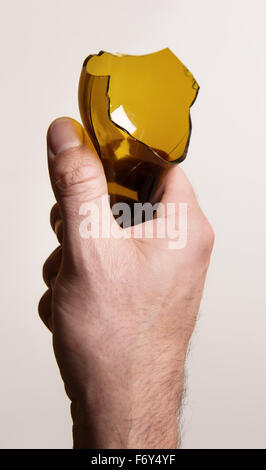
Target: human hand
(121, 310)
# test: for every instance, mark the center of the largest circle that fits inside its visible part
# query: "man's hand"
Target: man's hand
(121, 310)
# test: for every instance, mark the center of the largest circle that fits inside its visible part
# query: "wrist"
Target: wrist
(139, 414)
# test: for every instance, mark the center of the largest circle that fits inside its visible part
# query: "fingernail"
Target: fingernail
(64, 133)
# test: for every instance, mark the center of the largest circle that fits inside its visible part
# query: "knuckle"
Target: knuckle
(73, 168)
(44, 309)
(59, 230)
(45, 274)
(204, 240)
(44, 303)
(209, 235)
(55, 215)
(51, 265)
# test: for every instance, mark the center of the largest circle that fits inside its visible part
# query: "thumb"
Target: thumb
(76, 173)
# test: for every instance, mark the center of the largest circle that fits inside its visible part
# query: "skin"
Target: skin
(121, 311)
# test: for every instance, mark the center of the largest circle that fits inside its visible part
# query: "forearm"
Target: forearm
(140, 415)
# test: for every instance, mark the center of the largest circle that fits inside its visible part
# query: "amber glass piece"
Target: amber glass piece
(136, 110)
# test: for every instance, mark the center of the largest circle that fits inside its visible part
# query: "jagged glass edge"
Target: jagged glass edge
(164, 162)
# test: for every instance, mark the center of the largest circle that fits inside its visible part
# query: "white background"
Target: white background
(43, 44)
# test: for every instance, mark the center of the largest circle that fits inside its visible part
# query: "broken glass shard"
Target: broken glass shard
(136, 110)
